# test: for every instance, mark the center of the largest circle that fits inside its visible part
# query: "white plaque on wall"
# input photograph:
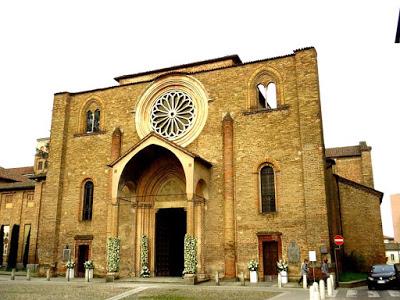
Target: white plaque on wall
(312, 255)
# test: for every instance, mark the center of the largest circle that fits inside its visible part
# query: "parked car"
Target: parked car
(383, 276)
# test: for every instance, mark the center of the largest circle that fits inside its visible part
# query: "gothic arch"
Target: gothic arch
(92, 104)
(264, 76)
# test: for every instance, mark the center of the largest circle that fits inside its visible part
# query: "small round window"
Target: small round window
(172, 114)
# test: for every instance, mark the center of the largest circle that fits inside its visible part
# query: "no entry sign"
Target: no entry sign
(339, 240)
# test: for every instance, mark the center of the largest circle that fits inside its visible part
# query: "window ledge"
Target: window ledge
(269, 214)
(265, 110)
(89, 133)
(85, 221)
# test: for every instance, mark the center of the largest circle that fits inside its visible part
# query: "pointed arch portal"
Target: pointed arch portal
(159, 190)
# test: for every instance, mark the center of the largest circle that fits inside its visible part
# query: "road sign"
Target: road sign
(339, 240)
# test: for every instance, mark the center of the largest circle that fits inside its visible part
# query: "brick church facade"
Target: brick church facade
(230, 153)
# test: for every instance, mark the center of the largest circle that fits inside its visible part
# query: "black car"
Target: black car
(383, 276)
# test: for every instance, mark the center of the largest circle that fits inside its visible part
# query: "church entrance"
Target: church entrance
(83, 255)
(270, 257)
(170, 232)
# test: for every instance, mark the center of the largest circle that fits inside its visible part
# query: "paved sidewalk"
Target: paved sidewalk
(77, 288)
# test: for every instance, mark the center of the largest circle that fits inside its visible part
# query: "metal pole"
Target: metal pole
(336, 267)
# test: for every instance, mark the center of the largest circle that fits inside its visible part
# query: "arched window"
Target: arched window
(271, 95)
(89, 121)
(262, 96)
(267, 188)
(96, 121)
(93, 121)
(87, 201)
(267, 96)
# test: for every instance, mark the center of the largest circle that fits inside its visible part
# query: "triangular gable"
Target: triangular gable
(153, 135)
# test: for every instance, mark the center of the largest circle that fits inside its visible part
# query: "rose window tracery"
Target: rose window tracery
(173, 114)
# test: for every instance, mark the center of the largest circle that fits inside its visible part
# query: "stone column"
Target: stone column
(229, 215)
(199, 224)
(190, 214)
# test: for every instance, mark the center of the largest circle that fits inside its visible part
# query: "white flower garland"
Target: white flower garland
(282, 265)
(70, 264)
(88, 264)
(252, 265)
(113, 248)
(144, 257)
(190, 255)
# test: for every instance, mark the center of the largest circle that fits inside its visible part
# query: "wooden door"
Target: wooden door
(83, 255)
(270, 257)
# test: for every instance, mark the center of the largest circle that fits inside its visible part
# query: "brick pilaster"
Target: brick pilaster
(229, 220)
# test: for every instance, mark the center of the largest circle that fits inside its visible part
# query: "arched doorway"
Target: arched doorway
(152, 202)
(154, 176)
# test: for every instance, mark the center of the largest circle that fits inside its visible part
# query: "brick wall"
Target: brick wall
(361, 222)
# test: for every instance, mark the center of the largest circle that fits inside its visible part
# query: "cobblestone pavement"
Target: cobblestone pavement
(59, 288)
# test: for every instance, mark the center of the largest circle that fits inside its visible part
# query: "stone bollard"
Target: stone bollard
(316, 291)
(216, 278)
(241, 277)
(279, 280)
(322, 289)
(332, 277)
(48, 275)
(13, 274)
(312, 290)
(329, 286)
(305, 282)
(28, 274)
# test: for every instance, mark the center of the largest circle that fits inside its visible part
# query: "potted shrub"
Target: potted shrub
(282, 267)
(89, 266)
(69, 274)
(253, 267)
(113, 257)
(190, 259)
(144, 257)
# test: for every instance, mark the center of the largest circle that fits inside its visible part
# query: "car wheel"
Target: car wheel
(369, 287)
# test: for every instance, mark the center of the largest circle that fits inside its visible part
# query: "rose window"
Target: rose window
(172, 114)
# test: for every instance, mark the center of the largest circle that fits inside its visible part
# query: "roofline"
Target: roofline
(11, 180)
(360, 186)
(233, 57)
(188, 73)
(18, 186)
(38, 177)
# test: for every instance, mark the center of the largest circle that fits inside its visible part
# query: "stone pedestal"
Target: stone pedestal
(110, 277)
(190, 278)
(284, 277)
(253, 277)
(69, 274)
(88, 274)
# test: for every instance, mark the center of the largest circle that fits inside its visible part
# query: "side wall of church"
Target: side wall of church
(361, 224)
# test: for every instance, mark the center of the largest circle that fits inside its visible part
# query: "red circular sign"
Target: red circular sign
(339, 240)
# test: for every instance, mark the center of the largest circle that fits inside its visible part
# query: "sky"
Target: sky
(53, 46)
